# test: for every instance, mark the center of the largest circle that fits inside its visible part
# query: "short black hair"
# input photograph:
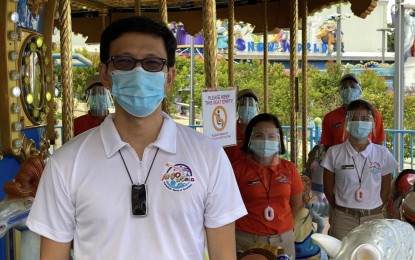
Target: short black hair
(138, 24)
(360, 103)
(265, 117)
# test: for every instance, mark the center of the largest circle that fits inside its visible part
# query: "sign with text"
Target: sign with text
(219, 115)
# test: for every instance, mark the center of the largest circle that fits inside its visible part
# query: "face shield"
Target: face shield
(265, 142)
(359, 124)
(350, 91)
(247, 108)
(99, 100)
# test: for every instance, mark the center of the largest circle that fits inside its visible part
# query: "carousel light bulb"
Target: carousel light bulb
(13, 35)
(48, 96)
(15, 74)
(17, 143)
(17, 126)
(29, 99)
(15, 108)
(56, 92)
(14, 17)
(13, 55)
(16, 91)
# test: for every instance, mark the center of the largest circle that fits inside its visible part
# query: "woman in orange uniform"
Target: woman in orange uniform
(271, 187)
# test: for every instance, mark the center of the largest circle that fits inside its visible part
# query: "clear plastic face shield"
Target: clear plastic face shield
(265, 142)
(350, 91)
(247, 108)
(359, 124)
(99, 100)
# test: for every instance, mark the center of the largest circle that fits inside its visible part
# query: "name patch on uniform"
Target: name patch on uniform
(347, 167)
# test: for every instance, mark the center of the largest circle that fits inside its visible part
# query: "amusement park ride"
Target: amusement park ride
(27, 105)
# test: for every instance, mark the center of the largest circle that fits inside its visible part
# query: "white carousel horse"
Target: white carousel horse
(381, 239)
(15, 208)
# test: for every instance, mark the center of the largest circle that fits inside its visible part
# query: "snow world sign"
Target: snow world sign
(283, 46)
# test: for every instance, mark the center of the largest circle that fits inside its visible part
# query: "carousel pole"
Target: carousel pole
(66, 66)
(231, 43)
(210, 51)
(137, 7)
(266, 96)
(163, 11)
(293, 79)
(304, 67)
(163, 17)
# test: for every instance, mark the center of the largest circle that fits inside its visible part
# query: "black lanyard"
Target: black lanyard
(361, 175)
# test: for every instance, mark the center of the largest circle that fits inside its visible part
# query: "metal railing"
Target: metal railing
(314, 135)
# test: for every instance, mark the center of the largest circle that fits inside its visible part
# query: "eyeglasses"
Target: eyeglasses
(129, 63)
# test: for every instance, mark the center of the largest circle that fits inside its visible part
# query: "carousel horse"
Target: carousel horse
(381, 239)
(15, 208)
(303, 226)
(320, 207)
(401, 186)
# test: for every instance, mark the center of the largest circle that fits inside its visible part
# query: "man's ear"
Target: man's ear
(105, 76)
(171, 74)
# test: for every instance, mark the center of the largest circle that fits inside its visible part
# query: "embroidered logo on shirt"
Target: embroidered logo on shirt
(282, 178)
(177, 177)
(375, 168)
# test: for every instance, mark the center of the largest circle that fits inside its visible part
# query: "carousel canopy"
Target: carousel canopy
(99, 13)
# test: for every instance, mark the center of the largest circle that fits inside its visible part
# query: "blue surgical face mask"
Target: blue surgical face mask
(350, 94)
(359, 129)
(264, 148)
(137, 91)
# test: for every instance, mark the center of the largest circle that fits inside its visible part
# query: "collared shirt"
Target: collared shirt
(85, 195)
(280, 182)
(347, 165)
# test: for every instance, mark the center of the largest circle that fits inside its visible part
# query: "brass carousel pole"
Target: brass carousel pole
(210, 51)
(293, 79)
(137, 7)
(304, 11)
(163, 17)
(266, 97)
(163, 11)
(231, 43)
(66, 67)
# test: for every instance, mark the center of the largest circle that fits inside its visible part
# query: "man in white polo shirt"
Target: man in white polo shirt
(139, 186)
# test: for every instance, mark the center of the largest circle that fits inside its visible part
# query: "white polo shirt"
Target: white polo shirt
(379, 162)
(85, 194)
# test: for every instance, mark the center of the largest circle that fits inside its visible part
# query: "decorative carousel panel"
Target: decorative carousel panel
(34, 80)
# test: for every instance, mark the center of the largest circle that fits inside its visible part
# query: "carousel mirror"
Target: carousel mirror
(33, 80)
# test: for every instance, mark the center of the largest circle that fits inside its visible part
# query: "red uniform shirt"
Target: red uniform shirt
(84, 123)
(234, 153)
(333, 128)
(282, 180)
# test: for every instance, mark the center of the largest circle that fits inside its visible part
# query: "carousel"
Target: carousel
(27, 107)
